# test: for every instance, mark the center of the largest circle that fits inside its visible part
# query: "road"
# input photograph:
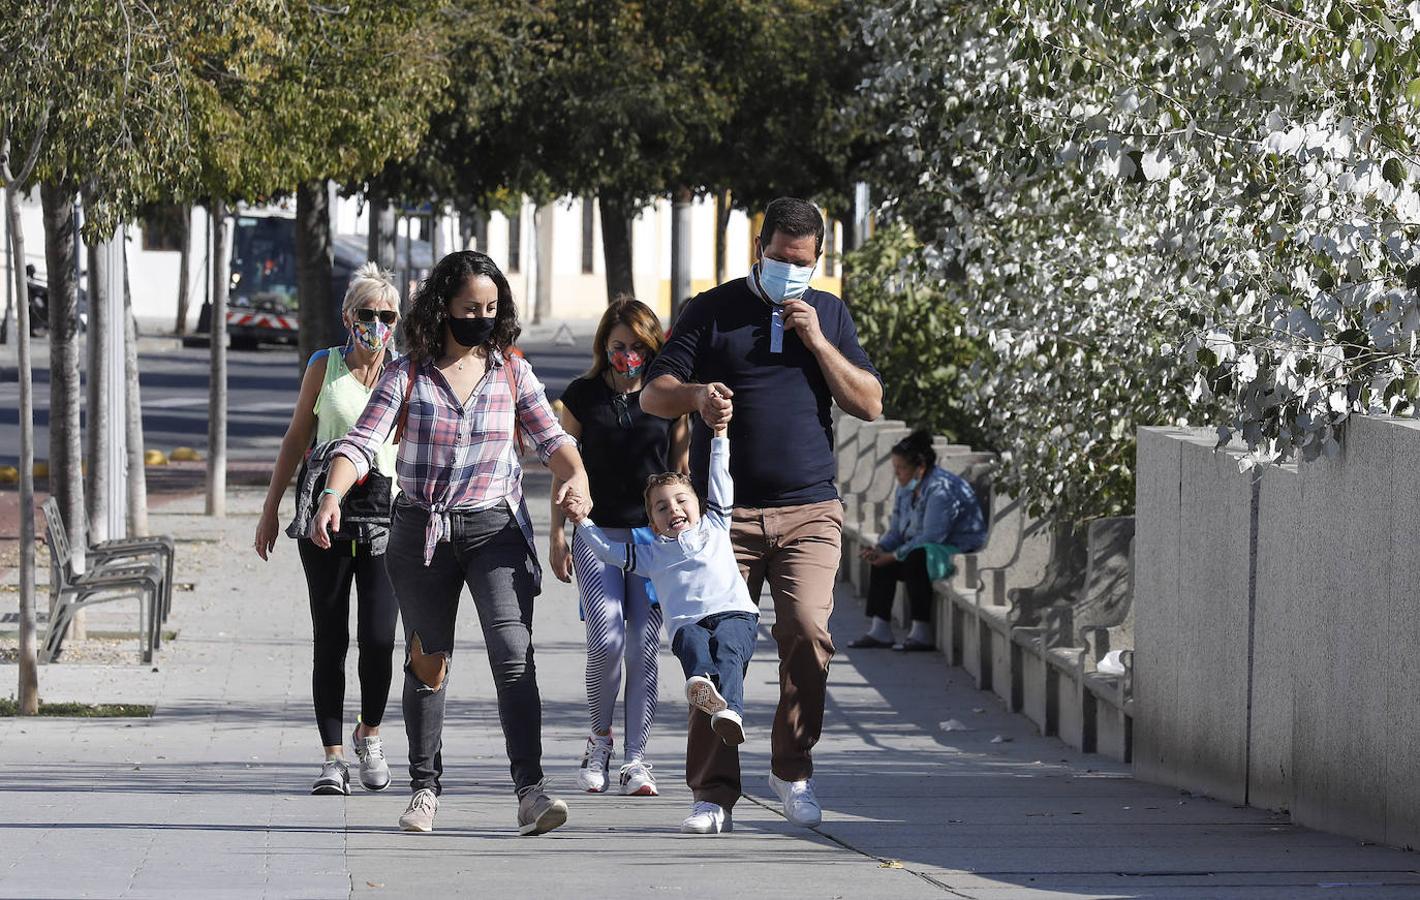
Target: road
(261, 386)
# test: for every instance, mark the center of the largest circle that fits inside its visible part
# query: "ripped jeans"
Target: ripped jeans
(487, 551)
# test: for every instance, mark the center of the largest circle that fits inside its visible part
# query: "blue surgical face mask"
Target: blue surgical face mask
(783, 281)
(912, 485)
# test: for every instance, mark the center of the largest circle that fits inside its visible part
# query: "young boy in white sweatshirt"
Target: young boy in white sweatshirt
(711, 620)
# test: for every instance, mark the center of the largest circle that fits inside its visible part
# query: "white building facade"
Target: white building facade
(570, 228)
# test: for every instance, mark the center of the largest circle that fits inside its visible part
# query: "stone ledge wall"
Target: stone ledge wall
(1277, 628)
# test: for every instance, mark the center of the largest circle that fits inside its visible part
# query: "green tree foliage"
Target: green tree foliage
(1198, 212)
(914, 336)
(285, 93)
(790, 71)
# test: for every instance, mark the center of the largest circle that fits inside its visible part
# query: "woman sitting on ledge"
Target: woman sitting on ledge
(935, 516)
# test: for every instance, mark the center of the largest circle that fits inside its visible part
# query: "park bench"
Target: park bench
(159, 547)
(131, 568)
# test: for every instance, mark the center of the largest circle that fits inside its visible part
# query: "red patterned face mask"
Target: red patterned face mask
(626, 363)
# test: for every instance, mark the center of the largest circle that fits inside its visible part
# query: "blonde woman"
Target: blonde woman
(621, 447)
(334, 391)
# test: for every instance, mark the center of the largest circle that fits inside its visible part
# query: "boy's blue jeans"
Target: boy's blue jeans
(719, 647)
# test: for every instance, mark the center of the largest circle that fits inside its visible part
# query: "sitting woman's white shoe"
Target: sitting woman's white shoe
(706, 818)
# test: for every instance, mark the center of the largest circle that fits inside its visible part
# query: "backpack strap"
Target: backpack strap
(511, 374)
(404, 407)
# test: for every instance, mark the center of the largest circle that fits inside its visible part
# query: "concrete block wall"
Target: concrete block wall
(974, 621)
(1276, 628)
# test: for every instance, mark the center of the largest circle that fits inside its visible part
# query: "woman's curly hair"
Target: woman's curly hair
(423, 324)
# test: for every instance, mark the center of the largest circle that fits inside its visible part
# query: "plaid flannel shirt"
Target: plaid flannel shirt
(457, 456)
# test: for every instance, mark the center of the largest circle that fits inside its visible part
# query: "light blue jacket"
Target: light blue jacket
(945, 511)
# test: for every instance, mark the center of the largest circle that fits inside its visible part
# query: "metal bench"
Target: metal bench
(159, 547)
(120, 570)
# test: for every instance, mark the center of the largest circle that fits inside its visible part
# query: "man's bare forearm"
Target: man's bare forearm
(856, 390)
(670, 398)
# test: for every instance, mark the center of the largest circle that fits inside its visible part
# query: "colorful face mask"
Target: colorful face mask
(626, 363)
(373, 336)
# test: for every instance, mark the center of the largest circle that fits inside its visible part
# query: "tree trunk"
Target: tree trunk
(11, 264)
(28, 692)
(437, 247)
(133, 418)
(217, 390)
(680, 251)
(383, 230)
(722, 222)
(108, 460)
(479, 226)
(99, 435)
(184, 297)
(66, 452)
(315, 258)
(616, 245)
(542, 264)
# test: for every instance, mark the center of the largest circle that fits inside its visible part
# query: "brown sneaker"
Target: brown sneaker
(420, 814)
(538, 811)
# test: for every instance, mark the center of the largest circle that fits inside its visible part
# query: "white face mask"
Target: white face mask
(783, 281)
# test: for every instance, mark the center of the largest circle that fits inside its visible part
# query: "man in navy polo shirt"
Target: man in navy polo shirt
(769, 355)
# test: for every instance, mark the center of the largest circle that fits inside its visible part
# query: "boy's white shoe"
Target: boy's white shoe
(636, 780)
(702, 694)
(800, 805)
(706, 818)
(729, 726)
(592, 776)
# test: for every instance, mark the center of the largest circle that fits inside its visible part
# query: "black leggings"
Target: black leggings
(329, 574)
(912, 571)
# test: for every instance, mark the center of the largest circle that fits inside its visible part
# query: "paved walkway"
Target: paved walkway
(208, 798)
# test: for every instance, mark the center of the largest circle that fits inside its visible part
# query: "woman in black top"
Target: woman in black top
(621, 447)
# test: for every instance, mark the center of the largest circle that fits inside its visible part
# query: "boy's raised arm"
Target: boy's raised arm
(623, 556)
(721, 495)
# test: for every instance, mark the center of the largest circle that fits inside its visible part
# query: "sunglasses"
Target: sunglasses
(623, 410)
(365, 314)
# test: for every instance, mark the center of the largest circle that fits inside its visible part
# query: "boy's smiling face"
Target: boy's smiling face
(674, 508)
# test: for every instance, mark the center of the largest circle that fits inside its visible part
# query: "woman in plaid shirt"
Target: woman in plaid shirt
(459, 404)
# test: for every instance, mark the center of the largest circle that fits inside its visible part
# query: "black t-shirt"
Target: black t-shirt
(618, 460)
(781, 435)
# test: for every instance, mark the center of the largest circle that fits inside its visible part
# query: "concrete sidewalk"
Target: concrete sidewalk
(208, 798)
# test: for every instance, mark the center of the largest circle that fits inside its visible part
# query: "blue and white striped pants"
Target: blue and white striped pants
(621, 623)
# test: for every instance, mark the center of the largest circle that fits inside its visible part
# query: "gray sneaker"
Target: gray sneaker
(334, 778)
(420, 814)
(538, 811)
(374, 771)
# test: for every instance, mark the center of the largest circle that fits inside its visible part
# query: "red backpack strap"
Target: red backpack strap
(513, 384)
(404, 407)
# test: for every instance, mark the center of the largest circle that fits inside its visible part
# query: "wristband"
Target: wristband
(333, 492)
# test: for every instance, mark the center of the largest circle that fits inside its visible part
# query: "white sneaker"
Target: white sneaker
(800, 805)
(374, 770)
(592, 777)
(701, 693)
(419, 815)
(636, 780)
(729, 726)
(334, 778)
(706, 818)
